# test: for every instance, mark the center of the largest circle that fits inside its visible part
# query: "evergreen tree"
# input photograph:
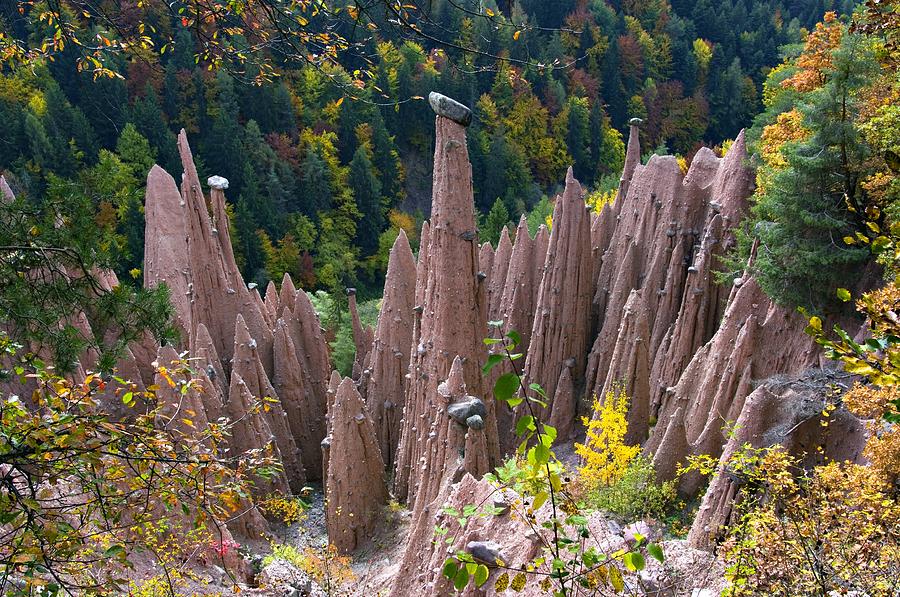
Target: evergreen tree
(315, 187)
(816, 199)
(135, 151)
(494, 223)
(578, 139)
(367, 192)
(149, 121)
(223, 150)
(247, 246)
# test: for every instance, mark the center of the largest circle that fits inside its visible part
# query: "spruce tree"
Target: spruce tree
(817, 199)
(367, 192)
(494, 222)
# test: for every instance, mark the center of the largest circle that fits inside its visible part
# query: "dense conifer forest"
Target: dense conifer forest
(323, 174)
(435, 297)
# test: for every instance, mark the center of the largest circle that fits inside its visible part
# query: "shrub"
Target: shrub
(330, 570)
(606, 456)
(636, 495)
(832, 530)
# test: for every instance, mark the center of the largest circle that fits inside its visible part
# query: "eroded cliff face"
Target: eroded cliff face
(355, 489)
(785, 411)
(264, 362)
(636, 284)
(384, 379)
(626, 297)
(562, 319)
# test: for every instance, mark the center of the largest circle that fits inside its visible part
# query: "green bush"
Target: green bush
(636, 495)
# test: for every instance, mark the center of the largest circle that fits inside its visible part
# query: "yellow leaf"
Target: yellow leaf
(516, 35)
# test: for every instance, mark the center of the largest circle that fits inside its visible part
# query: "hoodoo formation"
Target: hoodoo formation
(385, 382)
(689, 353)
(606, 313)
(451, 323)
(562, 319)
(355, 487)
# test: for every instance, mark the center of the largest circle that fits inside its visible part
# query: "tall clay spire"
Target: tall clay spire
(386, 382)
(451, 319)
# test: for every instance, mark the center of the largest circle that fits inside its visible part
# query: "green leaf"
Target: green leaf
(481, 575)
(491, 341)
(492, 361)
(880, 244)
(539, 500)
(524, 424)
(634, 561)
(536, 387)
(541, 453)
(128, 398)
(450, 568)
(514, 336)
(495, 323)
(113, 551)
(461, 579)
(656, 551)
(506, 386)
(843, 294)
(550, 431)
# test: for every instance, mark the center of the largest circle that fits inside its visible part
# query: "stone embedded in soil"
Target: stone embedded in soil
(449, 108)
(468, 407)
(488, 552)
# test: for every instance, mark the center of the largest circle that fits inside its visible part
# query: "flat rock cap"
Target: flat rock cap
(450, 108)
(217, 182)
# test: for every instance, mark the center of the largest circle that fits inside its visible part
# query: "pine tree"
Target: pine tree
(149, 121)
(315, 187)
(134, 150)
(578, 140)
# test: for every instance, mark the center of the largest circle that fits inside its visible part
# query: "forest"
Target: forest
(765, 134)
(322, 180)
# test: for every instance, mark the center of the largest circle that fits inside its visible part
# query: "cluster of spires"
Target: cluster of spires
(626, 297)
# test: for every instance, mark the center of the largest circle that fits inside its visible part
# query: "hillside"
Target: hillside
(319, 298)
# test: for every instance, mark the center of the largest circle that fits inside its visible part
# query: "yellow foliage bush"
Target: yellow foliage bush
(833, 530)
(599, 199)
(324, 566)
(605, 454)
(286, 508)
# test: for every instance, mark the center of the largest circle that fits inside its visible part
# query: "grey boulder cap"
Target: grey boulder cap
(450, 108)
